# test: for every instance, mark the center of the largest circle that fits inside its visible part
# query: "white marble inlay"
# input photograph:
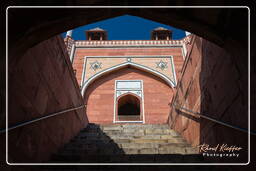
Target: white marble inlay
(128, 85)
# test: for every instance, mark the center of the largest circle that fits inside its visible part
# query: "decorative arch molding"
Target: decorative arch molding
(129, 93)
(123, 65)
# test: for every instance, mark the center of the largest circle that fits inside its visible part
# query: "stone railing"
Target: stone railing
(129, 43)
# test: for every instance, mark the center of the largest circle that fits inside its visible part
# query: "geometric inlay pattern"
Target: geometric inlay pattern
(153, 64)
(162, 65)
(128, 59)
(95, 65)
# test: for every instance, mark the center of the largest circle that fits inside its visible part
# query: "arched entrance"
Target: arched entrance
(129, 108)
(106, 95)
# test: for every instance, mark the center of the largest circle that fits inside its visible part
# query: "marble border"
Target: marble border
(170, 82)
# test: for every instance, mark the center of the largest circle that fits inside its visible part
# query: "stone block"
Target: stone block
(123, 136)
(166, 137)
(130, 150)
(171, 132)
(149, 137)
(148, 151)
(176, 150)
(127, 130)
(154, 131)
(149, 141)
(139, 145)
(176, 140)
(112, 128)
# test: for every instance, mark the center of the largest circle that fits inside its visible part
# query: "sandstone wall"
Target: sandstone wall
(214, 83)
(99, 96)
(39, 83)
(188, 95)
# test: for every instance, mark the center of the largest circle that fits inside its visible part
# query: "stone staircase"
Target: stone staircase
(127, 144)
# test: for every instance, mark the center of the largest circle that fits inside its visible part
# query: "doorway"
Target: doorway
(129, 108)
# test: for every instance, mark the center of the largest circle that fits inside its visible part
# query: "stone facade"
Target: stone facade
(98, 64)
(99, 96)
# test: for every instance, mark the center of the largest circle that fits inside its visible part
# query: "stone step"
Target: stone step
(89, 136)
(127, 142)
(140, 150)
(91, 151)
(129, 150)
(134, 136)
(153, 131)
(153, 145)
(122, 127)
(137, 132)
(156, 133)
(107, 142)
(120, 140)
(187, 150)
(102, 148)
(145, 137)
(134, 126)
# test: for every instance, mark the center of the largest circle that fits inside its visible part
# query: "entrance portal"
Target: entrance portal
(129, 108)
(129, 101)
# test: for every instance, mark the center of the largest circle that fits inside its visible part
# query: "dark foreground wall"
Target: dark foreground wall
(214, 83)
(39, 83)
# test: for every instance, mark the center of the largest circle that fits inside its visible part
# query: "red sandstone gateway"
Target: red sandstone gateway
(127, 81)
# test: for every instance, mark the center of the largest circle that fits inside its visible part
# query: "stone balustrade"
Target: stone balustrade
(80, 43)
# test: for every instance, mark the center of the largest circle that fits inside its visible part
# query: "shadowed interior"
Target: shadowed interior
(128, 105)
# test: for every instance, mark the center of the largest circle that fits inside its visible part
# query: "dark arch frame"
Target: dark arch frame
(32, 32)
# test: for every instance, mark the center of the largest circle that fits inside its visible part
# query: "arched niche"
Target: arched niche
(129, 107)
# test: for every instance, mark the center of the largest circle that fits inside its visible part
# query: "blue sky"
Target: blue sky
(126, 27)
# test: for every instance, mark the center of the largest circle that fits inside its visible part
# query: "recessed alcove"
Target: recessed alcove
(129, 108)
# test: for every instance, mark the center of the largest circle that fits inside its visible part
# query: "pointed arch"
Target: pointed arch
(123, 65)
(131, 98)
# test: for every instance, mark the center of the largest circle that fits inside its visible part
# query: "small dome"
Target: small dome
(160, 28)
(96, 29)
